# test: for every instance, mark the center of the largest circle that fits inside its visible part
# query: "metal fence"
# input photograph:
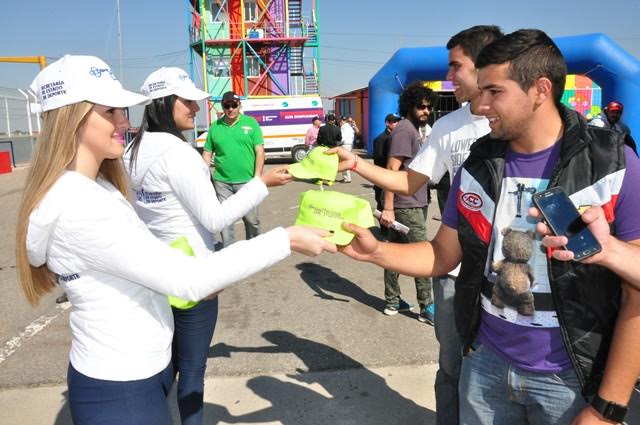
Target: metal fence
(19, 125)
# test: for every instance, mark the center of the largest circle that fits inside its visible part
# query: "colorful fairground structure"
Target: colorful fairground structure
(266, 51)
(257, 48)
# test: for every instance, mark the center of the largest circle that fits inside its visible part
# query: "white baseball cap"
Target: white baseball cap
(74, 79)
(167, 81)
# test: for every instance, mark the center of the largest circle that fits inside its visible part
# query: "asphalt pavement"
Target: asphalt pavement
(304, 342)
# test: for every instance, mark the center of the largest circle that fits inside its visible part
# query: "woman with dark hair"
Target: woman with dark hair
(172, 193)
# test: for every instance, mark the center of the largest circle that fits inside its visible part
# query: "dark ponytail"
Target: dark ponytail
(157, 117)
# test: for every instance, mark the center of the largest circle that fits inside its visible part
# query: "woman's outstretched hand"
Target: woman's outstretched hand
(309, 241)
(277, 176)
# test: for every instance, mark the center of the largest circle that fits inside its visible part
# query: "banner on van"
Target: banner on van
(285, 117)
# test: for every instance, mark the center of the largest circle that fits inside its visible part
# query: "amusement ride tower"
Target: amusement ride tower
(257, 48)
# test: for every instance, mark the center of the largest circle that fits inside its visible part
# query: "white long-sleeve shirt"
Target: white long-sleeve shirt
(117, 275)
(172, 193)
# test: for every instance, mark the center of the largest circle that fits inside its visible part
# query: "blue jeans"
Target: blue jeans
(191, 340)
(450, 355)
(494, 392)
(251, 220)
(100, 402)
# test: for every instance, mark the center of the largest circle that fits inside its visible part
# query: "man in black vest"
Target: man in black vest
(538, 333)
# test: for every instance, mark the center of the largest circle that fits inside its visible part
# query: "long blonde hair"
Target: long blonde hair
(56, 149)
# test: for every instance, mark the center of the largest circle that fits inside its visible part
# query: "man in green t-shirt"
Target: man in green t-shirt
(236, 141)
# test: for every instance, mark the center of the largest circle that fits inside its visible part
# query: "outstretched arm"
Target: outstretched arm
(400, 182)
(419, 259)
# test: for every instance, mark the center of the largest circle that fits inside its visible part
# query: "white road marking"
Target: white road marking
(30, 331)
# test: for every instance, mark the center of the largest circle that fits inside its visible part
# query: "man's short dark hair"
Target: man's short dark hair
(531, 54)
(472, 40)
(413, 95)
(330, 117)
(314, 119)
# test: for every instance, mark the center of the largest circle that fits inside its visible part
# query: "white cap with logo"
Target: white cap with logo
(73, 79)
(167, 81)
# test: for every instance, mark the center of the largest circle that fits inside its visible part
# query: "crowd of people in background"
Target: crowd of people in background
(527, 335)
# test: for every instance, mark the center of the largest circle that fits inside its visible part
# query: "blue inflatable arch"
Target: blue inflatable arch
(596, 55)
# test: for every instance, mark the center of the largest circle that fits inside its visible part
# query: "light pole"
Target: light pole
(120, 41)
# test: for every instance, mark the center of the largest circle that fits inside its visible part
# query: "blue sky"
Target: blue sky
(357, 36)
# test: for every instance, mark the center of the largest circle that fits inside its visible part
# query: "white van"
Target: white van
(284, 122)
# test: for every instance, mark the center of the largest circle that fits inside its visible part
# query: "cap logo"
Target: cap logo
(183, 77)
(97, 72)
(471, 201)
(324, 212)
(53, 89)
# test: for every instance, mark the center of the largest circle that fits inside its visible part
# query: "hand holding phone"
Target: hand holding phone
(564, 219)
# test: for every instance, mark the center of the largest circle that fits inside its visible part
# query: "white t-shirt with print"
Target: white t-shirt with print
(449, 143)
(448, 146)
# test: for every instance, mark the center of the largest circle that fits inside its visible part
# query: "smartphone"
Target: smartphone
(564, 219)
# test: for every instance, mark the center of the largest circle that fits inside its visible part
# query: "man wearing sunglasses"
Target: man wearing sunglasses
(235, 141)
(415, 105)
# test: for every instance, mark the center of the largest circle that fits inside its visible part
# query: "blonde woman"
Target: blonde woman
(76, 229)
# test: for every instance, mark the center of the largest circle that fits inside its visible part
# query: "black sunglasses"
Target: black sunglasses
(422, 107)
(230, 105)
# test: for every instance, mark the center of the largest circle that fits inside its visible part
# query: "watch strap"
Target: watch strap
(608, 409)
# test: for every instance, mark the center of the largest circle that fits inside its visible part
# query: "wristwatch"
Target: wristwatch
(609, 410)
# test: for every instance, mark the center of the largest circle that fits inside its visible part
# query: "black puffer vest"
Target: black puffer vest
(586, 297)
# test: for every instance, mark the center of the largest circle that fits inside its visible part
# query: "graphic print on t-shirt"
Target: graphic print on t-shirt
(520, 293)
(459, 152)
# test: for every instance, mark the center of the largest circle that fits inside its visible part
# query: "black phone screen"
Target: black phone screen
(564, 219)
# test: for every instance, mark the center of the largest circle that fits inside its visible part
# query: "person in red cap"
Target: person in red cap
(610, 118)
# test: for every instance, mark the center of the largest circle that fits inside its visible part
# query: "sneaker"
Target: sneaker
(391, 310)
(428, 314)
